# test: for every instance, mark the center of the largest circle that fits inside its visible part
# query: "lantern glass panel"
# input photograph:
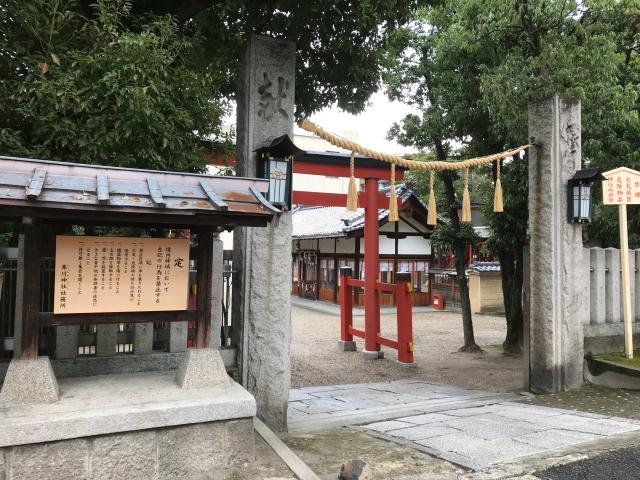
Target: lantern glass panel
(277, 175)
(585, 202)
(576, 203)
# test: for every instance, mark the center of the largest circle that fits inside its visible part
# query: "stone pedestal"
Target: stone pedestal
(262, 256)
(29, 382)
(556, 255)
(136, 426)
(347, 346)
(202, 368)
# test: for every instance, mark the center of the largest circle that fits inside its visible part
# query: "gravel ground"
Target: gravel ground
(316, 359)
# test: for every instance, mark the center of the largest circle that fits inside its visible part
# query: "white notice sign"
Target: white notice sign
(621, 187)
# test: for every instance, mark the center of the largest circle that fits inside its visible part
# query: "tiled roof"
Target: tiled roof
(329, 222)
(318, 222)
(485, 266)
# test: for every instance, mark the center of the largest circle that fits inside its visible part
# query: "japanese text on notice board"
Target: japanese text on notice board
(120, 274)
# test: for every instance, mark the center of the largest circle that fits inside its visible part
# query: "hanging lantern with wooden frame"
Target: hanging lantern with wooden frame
(275, 163)
(580, 195)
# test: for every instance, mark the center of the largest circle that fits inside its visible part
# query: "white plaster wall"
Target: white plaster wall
(327, 245)
(303, 182)
(346, 245)
(387, 245)
(414, 246)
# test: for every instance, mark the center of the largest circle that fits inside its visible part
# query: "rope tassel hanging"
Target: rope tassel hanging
(431, 213)
(393, 197)
(498, 206)
(352, 193)
(466, 199)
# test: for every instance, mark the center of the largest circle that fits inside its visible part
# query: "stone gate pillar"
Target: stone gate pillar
(556, 255)
(261, 311)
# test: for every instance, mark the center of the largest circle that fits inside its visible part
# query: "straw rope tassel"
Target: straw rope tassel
(431, 214)
(498, 205)
(466, 199)
(352, 194)
(393, 197)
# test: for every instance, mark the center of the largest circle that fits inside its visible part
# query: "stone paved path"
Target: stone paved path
(471, 428)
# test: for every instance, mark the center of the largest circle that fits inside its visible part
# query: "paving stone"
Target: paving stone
(533, 409)
(470, 412)
(423, 431)
(587, 425)
(362, 404)
(320, 405)
(480, 450)
(596, 415)
(427, 418)
(388, 425)
(297, 395)
(490, 430)
(553, 439)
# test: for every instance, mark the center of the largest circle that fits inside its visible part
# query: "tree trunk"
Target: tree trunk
(507, 270)
(459, 247)
(513, 341)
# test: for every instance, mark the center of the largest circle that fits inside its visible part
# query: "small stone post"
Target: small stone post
(556, 255)
(67, 341)
(598, 285)
(612, 285)
(217, 286)
(106, 339)
(143, 338)
(262, 256)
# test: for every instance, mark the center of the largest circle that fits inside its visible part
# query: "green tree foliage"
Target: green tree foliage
(472, 67)
(99, 90)
(340, 43)
(138, 83)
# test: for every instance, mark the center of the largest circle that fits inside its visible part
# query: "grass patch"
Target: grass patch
(495, 346)
(621, 358)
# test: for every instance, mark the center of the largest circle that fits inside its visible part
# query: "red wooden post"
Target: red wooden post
(405, 320)
(371, 270)
(346, 342)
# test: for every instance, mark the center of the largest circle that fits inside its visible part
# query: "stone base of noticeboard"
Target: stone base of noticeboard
(135, 426)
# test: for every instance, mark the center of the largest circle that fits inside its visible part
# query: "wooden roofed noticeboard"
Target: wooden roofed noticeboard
(43, 195)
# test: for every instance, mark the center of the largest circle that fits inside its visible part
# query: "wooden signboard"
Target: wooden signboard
(622, 188)
(120, 274)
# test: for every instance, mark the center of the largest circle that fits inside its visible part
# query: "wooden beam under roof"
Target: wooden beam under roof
(263, 201)
(37, 182)
(216, 199)
(155, 192)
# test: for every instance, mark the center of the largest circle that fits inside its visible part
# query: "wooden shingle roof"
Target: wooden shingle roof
(92, 193)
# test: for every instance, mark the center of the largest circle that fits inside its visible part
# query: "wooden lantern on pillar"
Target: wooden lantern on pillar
(275, 163)
(580, 195)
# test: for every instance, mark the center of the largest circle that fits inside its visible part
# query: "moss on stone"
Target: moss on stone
(621, 358)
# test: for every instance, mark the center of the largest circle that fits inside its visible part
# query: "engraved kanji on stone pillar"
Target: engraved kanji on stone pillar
(262, 256)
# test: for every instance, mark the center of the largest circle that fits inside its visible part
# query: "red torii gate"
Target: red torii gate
(372, 171)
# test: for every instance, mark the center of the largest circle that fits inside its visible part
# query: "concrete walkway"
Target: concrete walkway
(471, 428)
(334, 309)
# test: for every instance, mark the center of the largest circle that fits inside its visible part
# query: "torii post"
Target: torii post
(372, 171)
